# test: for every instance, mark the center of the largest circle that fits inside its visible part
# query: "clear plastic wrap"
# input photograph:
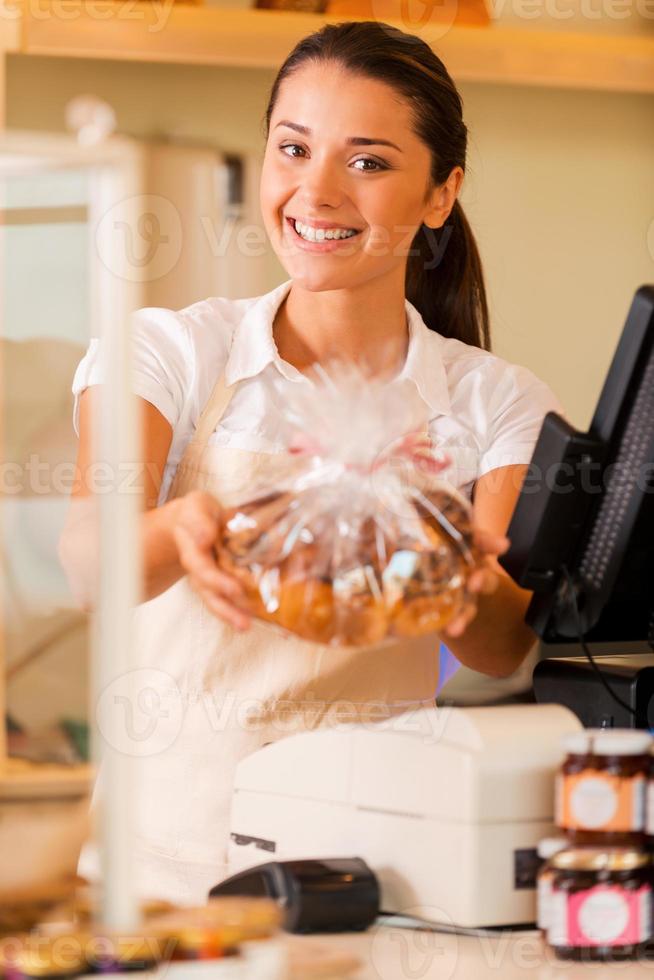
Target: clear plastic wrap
(362, 540)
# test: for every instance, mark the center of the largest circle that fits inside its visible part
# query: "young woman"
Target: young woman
(364, 134)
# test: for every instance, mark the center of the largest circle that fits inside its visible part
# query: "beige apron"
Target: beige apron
(221, 693)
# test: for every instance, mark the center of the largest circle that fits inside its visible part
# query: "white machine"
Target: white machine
(446, 805)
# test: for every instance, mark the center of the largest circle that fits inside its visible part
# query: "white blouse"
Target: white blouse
(484, 411)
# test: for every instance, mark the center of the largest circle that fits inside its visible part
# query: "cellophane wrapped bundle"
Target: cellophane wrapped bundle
(362, 540)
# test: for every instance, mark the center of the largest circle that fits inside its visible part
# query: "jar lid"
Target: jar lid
(550, 846)
(578, 743)
(600, 859)
(608, 741)
(620, 741)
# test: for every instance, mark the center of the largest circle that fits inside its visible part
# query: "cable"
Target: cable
(586, 649)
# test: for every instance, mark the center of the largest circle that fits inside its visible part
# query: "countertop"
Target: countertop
(390, 953)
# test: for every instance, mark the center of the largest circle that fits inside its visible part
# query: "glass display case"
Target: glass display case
(67, 205)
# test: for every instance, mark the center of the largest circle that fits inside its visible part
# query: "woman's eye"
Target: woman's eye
(375, 163)
(290, 146)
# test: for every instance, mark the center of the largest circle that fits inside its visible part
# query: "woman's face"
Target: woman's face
(319, 176)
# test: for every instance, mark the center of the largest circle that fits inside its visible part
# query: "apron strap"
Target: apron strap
(213, 412)
(209, 419)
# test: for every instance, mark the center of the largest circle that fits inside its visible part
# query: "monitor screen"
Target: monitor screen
(585, 514)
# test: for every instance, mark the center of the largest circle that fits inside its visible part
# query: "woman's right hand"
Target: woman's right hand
(196, 530)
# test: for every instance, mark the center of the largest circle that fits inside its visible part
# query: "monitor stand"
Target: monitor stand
(572, 682)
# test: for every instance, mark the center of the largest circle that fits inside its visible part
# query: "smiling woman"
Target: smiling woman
(364, 160)
(368, 86)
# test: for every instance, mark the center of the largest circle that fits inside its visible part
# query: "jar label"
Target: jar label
(593, 800)
(605, 915)
(543, 901)
(559, 792)
(649, 808)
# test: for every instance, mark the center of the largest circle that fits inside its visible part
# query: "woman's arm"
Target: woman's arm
(497, 639)
(78, 545)
(177, 538)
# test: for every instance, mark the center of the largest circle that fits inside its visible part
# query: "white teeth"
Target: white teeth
(320, 234)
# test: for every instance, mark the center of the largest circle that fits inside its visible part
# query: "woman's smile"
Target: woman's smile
(326, 245)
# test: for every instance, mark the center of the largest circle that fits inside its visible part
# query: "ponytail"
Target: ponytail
(445, 281)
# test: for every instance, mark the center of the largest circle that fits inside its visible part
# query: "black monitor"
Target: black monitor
(582, 532)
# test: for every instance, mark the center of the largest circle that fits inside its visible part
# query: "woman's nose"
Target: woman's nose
(321, 187)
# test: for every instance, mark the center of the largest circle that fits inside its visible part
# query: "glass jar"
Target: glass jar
(649, 805)
(547, 848)
(600, 904)
(601, 787)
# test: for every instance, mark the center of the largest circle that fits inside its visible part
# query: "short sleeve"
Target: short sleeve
(518, 404)
(162, 363)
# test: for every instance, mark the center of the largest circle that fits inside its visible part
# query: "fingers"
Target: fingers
(224, 609)
(201, 517)
(201, 566)
(196, 533)
(489, 542)
(458, 625)
(483, 580)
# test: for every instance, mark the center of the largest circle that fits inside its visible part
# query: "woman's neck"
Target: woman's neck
(365, 326)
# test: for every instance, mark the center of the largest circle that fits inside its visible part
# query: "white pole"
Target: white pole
(115, 295)
(3, 408)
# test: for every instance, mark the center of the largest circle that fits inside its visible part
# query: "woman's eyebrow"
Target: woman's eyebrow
(351, 141)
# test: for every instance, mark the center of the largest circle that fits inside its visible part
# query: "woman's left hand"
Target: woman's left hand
(483, 580)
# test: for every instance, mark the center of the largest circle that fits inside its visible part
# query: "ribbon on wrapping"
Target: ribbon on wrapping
(416, 447)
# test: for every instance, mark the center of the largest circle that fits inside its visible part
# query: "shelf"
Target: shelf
(205, 35)
(22, 780)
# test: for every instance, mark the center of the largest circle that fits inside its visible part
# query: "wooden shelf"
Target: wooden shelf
(204, 35)
(22, 780)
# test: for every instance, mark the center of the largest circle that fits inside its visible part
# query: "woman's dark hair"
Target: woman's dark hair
(444, 277)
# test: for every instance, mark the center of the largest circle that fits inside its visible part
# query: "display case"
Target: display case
(68, 204)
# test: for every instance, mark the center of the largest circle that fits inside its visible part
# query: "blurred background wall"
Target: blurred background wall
(559, 189)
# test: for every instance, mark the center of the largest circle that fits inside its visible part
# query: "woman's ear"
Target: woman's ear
(443, 199)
